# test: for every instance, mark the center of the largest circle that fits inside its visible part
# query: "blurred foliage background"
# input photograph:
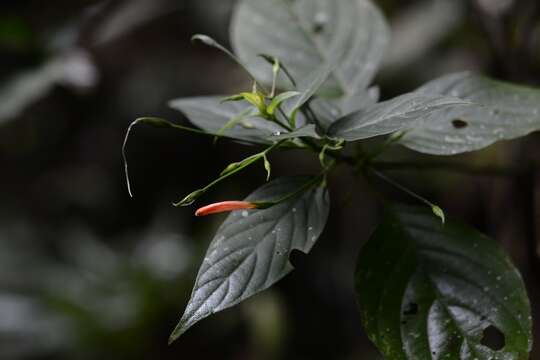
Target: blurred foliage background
(87, 273)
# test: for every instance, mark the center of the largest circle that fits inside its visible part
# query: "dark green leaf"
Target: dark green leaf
(429, 291)
(250, 251)
(306, 34)
(500, 111)
(390, 116)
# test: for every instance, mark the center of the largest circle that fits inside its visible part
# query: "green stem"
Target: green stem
(398, 186)
(448, 167)
(189, 199)
(266, 204)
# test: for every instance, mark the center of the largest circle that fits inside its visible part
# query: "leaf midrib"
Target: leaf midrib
(318, 47)
(438, 296)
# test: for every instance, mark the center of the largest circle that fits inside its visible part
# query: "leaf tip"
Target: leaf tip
(177, 332)
(439, 213)
(202, 38)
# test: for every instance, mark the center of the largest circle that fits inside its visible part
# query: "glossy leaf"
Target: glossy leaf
(250, 251)
(429, 291)
(210, 114)
(329, 111)
(308, 87)
(390, 116)
(306, 34)
(501, 111)
(304, 131)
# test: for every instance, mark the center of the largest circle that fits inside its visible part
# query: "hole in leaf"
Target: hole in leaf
(297, 258)
(493, 338)
(459, 123)
(319, 22)
(411, 309)
(318, 28)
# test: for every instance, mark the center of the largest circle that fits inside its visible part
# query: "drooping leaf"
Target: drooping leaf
(250, 251)
(305, 34)
(500, 111)
(390, 116)
(210, 114)
(430, 291)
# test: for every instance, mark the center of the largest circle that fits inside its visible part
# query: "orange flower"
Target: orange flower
(224, 206)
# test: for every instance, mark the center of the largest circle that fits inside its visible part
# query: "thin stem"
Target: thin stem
(459, 168)
(274, 119)
(189, 199)
(266, 204)
(402, 188)
(161, 123)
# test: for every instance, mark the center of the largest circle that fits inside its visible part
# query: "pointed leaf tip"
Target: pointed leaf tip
(439, 213)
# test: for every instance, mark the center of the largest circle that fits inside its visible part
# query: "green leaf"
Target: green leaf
(439, 213)
(279, 99)
(429, 291)
(329, 111)
(234, 121)
(250, 251)
(390, 116)
(241, 164)
(500, 111)
(255, 99)
(267, 167)
(210, 114)
(306, 34)
(235, 97)
(308, 86)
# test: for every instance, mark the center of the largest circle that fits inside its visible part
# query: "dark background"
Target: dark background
(88, 273)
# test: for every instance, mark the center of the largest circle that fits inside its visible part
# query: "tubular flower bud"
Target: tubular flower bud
(224, 206)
